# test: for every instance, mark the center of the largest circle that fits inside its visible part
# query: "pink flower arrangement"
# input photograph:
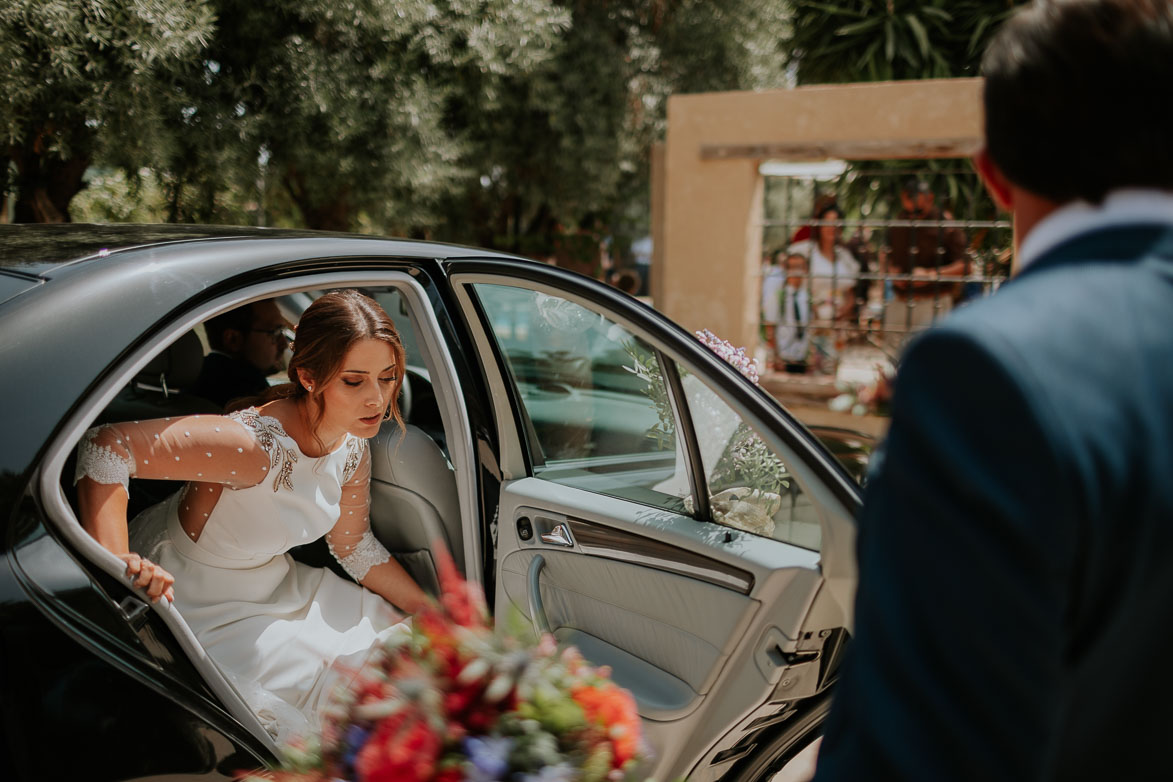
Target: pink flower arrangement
(451, 700)
(737, 357)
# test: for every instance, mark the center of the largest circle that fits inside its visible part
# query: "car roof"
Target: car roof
(37, 249)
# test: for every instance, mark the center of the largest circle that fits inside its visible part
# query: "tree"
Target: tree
(81, 76)
(884, 40)
(504, 122)
(339, 109)
(561, 152)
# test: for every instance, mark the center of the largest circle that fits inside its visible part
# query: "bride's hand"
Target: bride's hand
(145, 573)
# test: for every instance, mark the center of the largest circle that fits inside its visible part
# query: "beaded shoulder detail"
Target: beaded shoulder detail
(267, 429)
(355, 448)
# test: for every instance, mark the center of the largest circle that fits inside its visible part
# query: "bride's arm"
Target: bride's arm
(201, 448)
(361, 554)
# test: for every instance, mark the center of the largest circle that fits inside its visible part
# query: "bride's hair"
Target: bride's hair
(328, 329)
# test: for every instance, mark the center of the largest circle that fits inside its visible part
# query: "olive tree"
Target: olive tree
(80, 77)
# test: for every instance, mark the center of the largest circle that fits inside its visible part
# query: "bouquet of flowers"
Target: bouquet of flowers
(450, 700)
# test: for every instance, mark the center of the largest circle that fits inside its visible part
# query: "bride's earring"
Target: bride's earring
(387, 415)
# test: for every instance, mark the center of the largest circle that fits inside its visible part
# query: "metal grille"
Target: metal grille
(886, 280)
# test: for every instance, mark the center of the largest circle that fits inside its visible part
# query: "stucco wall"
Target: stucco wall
(708, 233)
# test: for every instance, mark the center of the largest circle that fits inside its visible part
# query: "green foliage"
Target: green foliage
(110, 196)
(341, 108)
(883, 40)
(646, 366)
(566, 145)
(82, 76)
(511, 123)
(748, 462)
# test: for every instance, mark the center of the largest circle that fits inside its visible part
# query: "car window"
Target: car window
(749, 485)
(391, 300)
(583, 381)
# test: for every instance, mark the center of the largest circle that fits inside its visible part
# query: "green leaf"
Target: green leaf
(976, 39)
(858, 27)
(889, 41)
(918, 32)
(831, 9)
(867, 55)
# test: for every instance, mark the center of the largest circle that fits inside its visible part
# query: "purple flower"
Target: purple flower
(734, 356)
(354, 740)
(488, 758)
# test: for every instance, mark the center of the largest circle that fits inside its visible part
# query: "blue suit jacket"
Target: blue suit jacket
(1014, 619)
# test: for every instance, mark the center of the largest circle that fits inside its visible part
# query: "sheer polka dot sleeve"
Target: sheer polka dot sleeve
(209, 448)
(351, 541)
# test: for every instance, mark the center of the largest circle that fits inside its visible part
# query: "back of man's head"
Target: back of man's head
(239, 319)
(1075, 97)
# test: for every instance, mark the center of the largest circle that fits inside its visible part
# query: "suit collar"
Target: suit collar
(1111, 244)
(1121, 208)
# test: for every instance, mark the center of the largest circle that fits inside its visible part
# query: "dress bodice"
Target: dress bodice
(297, 502)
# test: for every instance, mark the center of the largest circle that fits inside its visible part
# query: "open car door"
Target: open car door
(662, 514)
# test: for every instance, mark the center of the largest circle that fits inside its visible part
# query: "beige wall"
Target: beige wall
(707, 230)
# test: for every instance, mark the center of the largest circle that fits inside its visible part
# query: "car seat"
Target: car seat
(414, 501)
(157, 391)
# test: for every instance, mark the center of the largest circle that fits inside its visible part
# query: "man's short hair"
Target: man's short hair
(239, 319)
(1075, 97)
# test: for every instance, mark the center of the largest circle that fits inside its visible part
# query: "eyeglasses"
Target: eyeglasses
(279, 334)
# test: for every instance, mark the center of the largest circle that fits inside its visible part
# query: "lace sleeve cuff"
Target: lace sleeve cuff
(102, 463)
(366, 554)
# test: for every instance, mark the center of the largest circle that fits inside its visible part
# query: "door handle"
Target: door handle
(537, 612)
(559, 536)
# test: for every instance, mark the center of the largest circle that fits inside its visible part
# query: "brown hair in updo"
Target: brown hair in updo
(328, 329)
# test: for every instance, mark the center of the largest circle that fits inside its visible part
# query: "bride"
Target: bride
(259, 482)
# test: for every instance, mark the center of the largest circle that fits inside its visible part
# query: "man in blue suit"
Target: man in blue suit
(1014, 619)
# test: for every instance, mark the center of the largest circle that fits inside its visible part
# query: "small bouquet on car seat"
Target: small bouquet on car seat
(452, 700)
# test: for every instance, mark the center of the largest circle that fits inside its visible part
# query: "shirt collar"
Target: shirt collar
(1120, 207)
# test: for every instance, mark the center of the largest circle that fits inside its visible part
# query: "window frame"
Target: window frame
(830, 488)
(63, 517)
(529, 439)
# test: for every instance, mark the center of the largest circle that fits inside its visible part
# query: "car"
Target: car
(590, 463)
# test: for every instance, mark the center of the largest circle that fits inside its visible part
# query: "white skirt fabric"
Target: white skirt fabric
(284, 633)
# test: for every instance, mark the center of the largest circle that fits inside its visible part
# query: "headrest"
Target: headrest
(177, 367)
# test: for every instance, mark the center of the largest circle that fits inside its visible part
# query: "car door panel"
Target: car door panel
(680, 603)
(697, 619)
(681, 626)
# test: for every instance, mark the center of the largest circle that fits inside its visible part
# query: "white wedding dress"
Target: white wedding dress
(284, 633)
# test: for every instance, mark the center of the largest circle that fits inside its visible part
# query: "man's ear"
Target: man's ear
(233, 341)
(995, 181)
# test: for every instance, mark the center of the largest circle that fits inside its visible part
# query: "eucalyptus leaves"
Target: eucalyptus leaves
(745, 480)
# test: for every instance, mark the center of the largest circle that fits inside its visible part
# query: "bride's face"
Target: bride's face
(356, 399)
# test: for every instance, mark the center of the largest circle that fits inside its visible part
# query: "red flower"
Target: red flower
(452, 773)
(462, 601)
(613, 709)
(402, 747)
